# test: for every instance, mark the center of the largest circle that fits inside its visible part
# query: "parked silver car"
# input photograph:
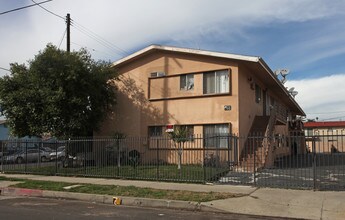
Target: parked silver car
(29, 155)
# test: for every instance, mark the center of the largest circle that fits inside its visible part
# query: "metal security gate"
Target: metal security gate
(319, 163)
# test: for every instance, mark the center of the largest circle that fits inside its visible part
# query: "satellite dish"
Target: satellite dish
(284, 72)
(283, 81)
(291, 89)
(277, 72)
(294, 93)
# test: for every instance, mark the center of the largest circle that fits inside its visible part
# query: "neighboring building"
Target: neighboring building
(206, 92)
(4, 131)
(328, 136)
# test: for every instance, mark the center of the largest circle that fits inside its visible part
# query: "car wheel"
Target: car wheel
(65, 163)
(20, 160)
(43, 158)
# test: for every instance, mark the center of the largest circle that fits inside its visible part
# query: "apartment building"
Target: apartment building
(164, 87)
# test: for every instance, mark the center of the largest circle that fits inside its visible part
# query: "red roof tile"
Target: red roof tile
(324, 124)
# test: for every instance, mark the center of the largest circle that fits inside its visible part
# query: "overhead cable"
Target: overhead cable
(59, 16)
(63, 36)
(28, 6)
(99, 39)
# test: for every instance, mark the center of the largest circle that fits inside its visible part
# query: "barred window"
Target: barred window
(216, 135)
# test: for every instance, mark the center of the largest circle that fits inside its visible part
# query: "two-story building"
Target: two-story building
(203, 91)
(325, 136)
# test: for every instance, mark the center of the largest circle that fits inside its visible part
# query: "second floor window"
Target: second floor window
(187, 82)
(216, 82)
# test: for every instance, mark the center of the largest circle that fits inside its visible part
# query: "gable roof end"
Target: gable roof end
(141, 52)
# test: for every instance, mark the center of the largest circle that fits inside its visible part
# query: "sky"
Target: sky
(305, 36)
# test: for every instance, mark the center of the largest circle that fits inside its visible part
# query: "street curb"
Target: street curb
(107, 199)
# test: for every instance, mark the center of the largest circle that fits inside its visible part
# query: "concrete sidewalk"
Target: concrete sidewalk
(303, 204)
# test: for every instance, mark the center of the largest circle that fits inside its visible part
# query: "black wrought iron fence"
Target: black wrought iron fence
(156, 158)
(295, 161)
(291, 161)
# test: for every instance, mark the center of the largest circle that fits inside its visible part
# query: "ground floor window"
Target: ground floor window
(216, 135)
(155, 131)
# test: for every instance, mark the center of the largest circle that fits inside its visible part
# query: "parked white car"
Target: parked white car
(59, 154)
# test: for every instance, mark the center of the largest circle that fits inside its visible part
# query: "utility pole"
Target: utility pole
(68, 22)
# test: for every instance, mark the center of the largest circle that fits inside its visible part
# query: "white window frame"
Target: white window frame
(187, 82)
(214, 77)
(218, 138)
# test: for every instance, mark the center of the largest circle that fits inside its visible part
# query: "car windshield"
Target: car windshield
(61, 149)
(18, 152)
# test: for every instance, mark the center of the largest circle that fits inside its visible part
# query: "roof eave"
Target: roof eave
(185, 50)
(272, 75)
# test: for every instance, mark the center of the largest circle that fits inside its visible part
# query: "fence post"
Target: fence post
(255, 141)
(157, 146)
(56, 159)
(203, 159)
(314, 162)
(236, 156)
(85, 146)
(229, 145)
(2, 156)
(117, 140)
(26, 155)
(40, 146)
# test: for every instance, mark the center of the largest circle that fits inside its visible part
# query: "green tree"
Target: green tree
(180, 135)
(64, 93)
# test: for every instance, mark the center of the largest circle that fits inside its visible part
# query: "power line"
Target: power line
(90, 34)
(327, 119)
(5, 69)
(63, 36)
(111, 44)
(92, 49)
(17, 9)
(59, 16)
(99, 39)
(320, 113)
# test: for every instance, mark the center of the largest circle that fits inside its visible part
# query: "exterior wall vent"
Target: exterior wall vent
(157, 74)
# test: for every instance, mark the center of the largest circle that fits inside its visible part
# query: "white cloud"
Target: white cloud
(323, 97)
(313, 45)
(133, 23)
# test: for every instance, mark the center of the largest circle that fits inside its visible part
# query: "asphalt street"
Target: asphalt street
(12, 208)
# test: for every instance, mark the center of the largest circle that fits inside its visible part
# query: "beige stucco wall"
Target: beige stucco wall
(325, 138)
(135, 110)
(249, 107)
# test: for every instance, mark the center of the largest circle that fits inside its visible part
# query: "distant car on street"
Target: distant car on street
(29, 155)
